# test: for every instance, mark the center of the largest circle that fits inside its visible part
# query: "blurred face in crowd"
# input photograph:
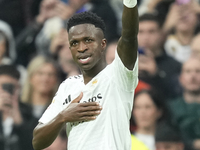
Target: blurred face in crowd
(195, 46)
(44, 79)
(6, 79)
(187, 21)
(190, 75)
(145, 111)
(149, 36)
(169, 146)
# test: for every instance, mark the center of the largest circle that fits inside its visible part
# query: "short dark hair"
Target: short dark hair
(86, 17)
(150, 17)
(158, 100)
(166, 132)
(10, 70)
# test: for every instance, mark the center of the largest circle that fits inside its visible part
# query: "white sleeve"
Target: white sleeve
(122, 76)
(55, 107)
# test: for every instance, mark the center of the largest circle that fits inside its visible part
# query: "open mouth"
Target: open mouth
(84, 60)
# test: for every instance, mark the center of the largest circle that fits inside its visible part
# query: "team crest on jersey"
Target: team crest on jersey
(94, 82)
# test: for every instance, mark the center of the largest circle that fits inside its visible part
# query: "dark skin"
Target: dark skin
(88, 42)
(87, 45)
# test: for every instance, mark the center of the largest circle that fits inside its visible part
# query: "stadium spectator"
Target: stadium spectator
(8, 50)
(148, 110)
(16, 120)
(155, 67)
(7, 44)
(168, 137)
(41, 84)
(185, 109)
(183, 20)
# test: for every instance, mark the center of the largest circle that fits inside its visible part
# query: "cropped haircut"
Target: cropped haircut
(158, 100)
(86, 17)
(150, 17)
(10, 70)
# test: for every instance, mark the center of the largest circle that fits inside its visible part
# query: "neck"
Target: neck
(184, 37)
(147, 130)
(192, 97)
(90, 74)
(40, 98)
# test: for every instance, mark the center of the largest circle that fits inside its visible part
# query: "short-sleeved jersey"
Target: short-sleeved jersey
(113, 88)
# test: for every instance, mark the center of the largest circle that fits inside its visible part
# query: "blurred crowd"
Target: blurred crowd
(35, 58)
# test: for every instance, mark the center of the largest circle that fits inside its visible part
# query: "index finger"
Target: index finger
(89, 104)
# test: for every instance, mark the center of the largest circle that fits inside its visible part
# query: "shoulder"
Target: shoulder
(175, 63)
(26, 111)
(76, 77)
(137, 143)
(169, 60)
(177, 105)
(171, 39)
(72, 79)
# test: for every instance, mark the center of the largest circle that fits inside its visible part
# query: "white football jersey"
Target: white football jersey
(113, 88)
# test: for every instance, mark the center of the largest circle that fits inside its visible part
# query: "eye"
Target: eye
(74, 43)
(88, 40)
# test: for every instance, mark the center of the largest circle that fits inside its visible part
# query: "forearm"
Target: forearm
(130, 21)
(127, 45)
(45, 134)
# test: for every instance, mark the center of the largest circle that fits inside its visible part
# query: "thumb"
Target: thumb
(77, 100)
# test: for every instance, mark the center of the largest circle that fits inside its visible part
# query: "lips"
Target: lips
(84, 59)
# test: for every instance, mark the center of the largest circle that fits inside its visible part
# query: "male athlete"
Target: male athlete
(97, 105)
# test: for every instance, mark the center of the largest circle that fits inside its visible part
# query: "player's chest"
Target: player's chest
(94, 91)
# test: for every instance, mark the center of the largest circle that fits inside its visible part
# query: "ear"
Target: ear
(103, 43)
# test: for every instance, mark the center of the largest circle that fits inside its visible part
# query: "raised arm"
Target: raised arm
(127, 45)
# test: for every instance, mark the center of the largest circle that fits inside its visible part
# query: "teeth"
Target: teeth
(84, 60)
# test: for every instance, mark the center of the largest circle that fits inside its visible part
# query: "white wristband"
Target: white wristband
(130, 3)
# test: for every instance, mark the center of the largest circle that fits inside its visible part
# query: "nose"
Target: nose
(82, 47)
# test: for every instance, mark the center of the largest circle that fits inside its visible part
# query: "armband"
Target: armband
(130, 3)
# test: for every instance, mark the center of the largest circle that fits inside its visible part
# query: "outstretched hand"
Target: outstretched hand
(76, 111)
